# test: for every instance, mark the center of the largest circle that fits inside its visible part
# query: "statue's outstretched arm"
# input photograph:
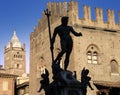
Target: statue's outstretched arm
(90, 86)
(75, 33)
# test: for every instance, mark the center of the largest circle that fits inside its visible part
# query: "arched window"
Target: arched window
(95, 57)
(92, 54)
(114, 66)
(42, 70)
(89, 56)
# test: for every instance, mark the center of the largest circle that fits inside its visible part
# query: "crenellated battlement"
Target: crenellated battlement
(99, 14)
(59, 9)
(99, 21)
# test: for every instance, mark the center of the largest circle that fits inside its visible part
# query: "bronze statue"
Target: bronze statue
(85, 81)
(66, 41)
(45, 82)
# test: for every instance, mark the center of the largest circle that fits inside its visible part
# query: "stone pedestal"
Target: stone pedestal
(65, 90)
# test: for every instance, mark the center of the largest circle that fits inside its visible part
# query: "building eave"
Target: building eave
(23, 85)
(5, 75)
(107, 84)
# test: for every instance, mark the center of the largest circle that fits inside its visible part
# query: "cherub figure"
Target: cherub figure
(45, 82)
(85, 81)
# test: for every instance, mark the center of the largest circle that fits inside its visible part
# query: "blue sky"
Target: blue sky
(23, 15)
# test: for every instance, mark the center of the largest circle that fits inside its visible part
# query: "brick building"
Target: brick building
(98, 50)
(7, 83)
(22, 85)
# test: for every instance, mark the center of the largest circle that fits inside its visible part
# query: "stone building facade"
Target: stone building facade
(22, 84)
(23, 88)
(15, 56)
(97, 50)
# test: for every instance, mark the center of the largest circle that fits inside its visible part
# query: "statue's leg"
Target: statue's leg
(66, 63)
(68, 52)
(63, 47)
(59, 56)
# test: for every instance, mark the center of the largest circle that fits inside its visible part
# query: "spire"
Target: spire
(14, 32)
(15, 41)
(14, 38)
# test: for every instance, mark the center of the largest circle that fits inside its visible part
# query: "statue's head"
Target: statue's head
(64, 20)
(86, 72)
(43, 75)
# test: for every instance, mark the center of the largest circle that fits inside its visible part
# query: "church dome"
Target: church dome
(15, 41)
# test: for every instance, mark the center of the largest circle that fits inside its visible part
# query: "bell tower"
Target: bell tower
(15, 56)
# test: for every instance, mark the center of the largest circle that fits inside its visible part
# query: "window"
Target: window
(42, 70)
(95, 57)
(114, 66)
(18, 56)
(92, 54)
(5, 85)
(89, 55)
(17, 66)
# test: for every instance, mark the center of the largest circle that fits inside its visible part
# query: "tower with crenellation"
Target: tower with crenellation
(97, 50)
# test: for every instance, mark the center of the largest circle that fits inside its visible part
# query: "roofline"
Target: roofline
(23, 84)
(5, 75)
